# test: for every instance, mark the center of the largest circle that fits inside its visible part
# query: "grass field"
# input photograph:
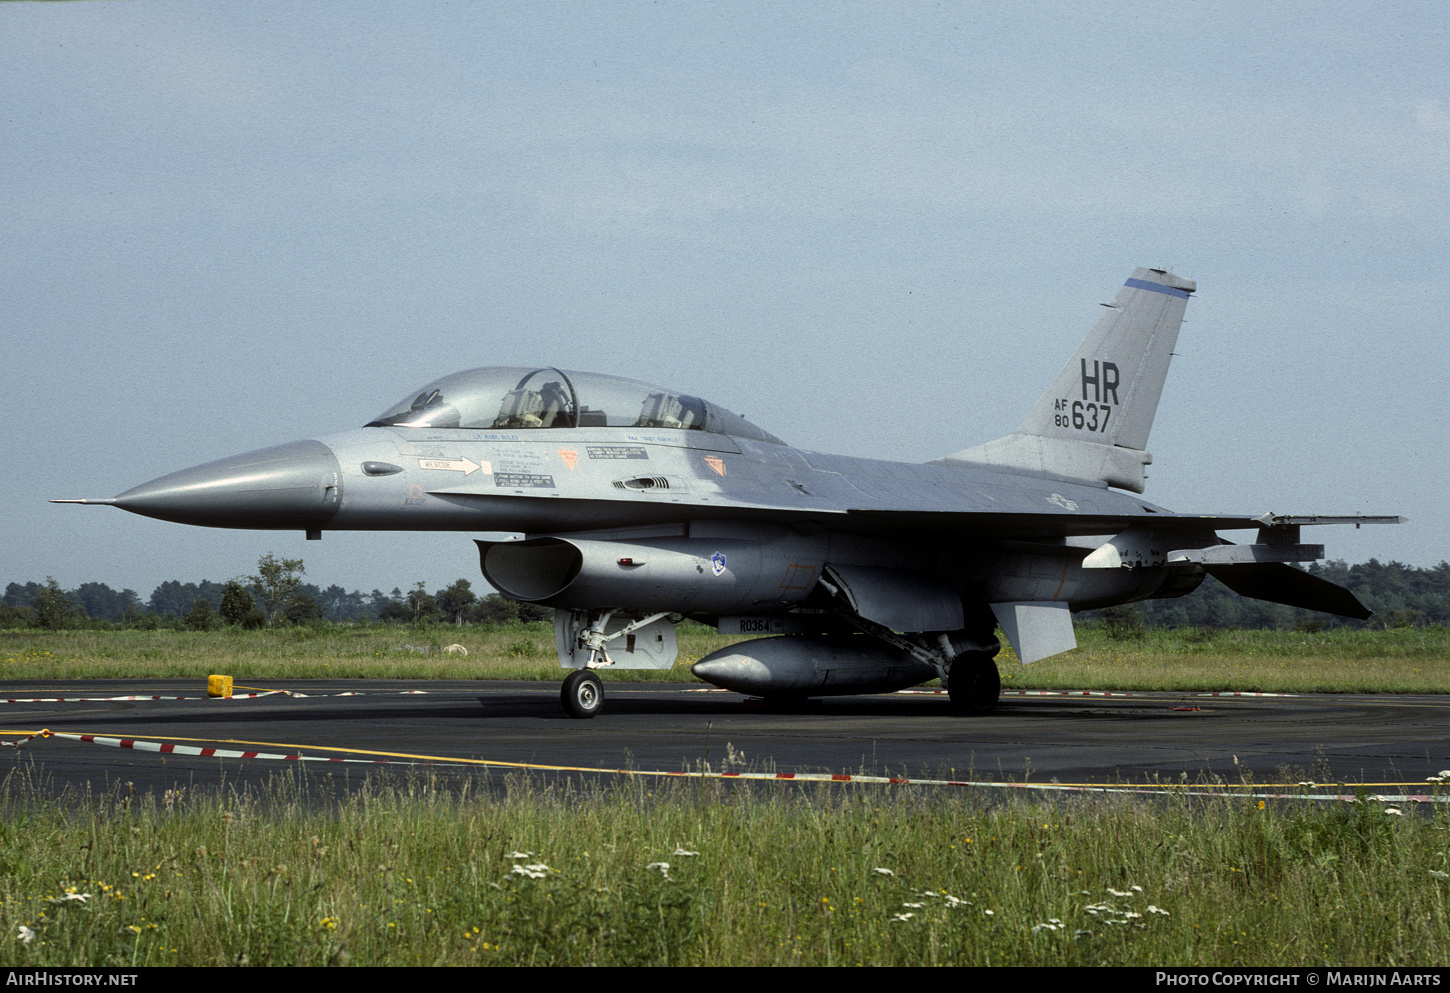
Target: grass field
(1399, 660)
(709, 872)
(701, 873)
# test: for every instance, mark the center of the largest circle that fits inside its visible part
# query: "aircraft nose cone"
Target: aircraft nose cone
(284, 487)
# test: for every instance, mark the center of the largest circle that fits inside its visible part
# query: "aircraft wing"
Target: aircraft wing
(1041, 525)
(1260, 570)
(1153, 538)
(943, 523)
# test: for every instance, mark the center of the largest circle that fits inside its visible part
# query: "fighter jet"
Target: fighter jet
(640, 506)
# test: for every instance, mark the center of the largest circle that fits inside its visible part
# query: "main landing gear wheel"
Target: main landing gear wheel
(582, 693)
(974, 684)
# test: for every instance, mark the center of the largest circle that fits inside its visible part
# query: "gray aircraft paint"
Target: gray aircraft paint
(872, 572)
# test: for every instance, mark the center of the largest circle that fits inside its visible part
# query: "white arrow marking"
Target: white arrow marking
(465, 466)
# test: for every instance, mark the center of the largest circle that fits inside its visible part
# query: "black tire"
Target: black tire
(974, 683)
(582, 693)
(788, 703)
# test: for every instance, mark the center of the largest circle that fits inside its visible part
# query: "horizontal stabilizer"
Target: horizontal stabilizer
(1279, 583)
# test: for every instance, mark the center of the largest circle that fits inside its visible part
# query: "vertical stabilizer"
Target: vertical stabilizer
(1093, 423)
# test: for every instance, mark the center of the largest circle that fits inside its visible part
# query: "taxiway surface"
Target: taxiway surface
(1127, 738)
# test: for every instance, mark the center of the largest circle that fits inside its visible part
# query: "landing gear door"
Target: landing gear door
(650, 646)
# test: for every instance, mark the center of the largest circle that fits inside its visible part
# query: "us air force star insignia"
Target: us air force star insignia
(1061, 501)
(717, 563)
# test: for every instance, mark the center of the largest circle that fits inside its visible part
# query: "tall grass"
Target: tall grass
(703, 873)
(1400, 660)
(1337, 660)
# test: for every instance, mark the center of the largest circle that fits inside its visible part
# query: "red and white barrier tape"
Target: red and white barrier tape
(234, 696)
(110, 699)
(169, 748)
(778, 777)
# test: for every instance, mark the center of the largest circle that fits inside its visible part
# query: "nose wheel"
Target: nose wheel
(582, 693)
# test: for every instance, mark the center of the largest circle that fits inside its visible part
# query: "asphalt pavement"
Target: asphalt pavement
(486, 731)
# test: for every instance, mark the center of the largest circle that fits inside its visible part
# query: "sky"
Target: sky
(874, 229)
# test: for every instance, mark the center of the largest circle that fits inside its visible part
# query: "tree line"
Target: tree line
(1400, 596)
(275, 595)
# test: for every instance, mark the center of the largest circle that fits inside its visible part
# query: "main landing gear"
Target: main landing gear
(974, 683)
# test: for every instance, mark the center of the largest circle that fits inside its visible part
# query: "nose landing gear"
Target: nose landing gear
(582, 693)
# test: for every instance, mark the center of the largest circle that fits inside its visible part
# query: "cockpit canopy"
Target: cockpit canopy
(508, 397)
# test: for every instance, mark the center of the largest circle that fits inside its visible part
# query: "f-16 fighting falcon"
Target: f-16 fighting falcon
(640, 506)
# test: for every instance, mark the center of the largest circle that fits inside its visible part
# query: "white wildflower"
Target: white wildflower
(1132, 916)
(681, 852)
(69, 897)
(519, 855)
(26, 935)
(1437, 874)
(1136, 889)
(1118, 892)
(1395, 811)
(1158, 910)
(916, 906)
(883, 872)
(536, 871)
(990, 913)
(904, 917)
(663, 867)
